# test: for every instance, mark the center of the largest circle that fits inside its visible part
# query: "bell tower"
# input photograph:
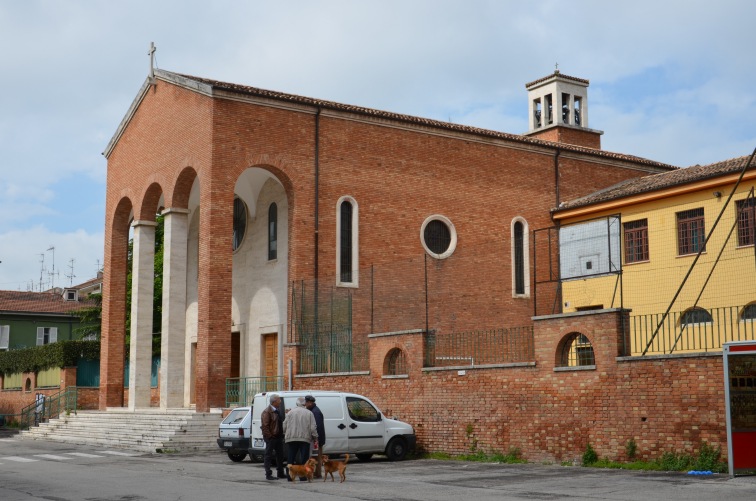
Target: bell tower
(558, 111)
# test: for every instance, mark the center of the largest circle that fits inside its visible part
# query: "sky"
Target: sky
(671, 81)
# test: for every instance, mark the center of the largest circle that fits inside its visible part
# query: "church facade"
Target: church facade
(261, 192)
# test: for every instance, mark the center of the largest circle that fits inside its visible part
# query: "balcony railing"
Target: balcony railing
(655, 334)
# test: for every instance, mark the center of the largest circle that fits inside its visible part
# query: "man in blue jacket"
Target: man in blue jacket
(320, 442)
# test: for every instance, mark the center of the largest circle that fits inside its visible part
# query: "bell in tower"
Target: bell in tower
(558, 111)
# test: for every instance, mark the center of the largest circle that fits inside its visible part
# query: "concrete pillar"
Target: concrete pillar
(142, 292)
(172, 351)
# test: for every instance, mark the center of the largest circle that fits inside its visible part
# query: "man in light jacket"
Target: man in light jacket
(300, 430)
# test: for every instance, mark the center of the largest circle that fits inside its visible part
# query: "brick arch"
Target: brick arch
(277, 165)
(150, 201)
(113, 334)
(182, 187)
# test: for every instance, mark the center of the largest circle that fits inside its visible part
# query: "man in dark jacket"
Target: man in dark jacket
(310, 404)
(272, 429)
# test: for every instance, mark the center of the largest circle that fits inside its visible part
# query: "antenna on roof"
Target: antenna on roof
(151, 53)
(71, 275)
(41, 270)
(52, 273)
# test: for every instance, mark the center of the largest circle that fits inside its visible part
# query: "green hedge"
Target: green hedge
(39, 358)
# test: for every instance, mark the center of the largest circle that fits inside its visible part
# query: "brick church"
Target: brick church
(273, 204)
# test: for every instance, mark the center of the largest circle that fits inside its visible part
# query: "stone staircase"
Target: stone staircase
(150, 430)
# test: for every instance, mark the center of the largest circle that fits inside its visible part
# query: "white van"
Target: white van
(353, 425)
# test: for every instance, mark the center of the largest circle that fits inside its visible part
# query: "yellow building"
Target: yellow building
(642, 245)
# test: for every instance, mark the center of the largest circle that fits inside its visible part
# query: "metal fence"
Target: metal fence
(241, 391)
(703, 330)
(486, 347)
(49, 407)
(338, 357)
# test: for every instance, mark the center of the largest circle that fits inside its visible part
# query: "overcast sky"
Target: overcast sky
(672, 81)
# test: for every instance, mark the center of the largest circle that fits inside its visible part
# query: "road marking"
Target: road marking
(19, 459)
(7, 439)
(51, 456)
(120, 453)
(84, 455)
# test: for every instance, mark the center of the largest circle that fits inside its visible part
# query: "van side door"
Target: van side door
(337, 438)
(365, 426)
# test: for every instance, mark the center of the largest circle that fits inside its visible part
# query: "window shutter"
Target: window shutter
(4, 336)
(40, 336)
(53, 334)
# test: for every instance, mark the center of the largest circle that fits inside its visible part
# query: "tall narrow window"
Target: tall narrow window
(520, 261)
(272, 232)
(690, 231)
(746, 213)
(346, 242)
(636, 241)
(240, 222)
(345, 239)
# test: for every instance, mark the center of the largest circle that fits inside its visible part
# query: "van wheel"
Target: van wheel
(236, 457)
(397, 449)
(256, 458)
(364, 457)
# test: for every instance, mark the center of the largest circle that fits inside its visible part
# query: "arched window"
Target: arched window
(749, 312)
(240, 222)
(576, 350)
(272, 232)
(520, 258)
(695, 316)
(395, 363)
(347, 259)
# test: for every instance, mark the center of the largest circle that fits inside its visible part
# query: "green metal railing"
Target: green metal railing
(241, 391)
(486, 347)
(328, 358)
(49, 407)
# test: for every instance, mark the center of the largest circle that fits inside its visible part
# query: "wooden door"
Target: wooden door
(270, 348)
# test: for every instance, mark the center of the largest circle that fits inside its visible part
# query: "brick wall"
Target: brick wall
(664, 404)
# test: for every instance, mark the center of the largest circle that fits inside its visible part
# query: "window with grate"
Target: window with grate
(691, 233)
(519, 258)
(396, 364)
(636, 241)
(695, 316)
(437, 236)
(345, 241)
(746, 216)
(577, 351)
(272, 232)
(240, 222)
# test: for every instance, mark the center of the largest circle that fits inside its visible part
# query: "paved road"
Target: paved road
(34, 470)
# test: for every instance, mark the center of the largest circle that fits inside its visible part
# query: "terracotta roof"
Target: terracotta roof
(88, 283)
(39, 302)
(292, 98)
(555, 74)
(655, 182)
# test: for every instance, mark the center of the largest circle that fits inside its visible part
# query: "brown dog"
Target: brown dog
(302, 470)
(330, 466)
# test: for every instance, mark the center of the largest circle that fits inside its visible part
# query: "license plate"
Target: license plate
(226, 444)
(258, 442)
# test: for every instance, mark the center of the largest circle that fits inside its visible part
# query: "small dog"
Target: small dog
(302, 470)
(330, 466)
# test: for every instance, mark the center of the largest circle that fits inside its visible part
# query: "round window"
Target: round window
(438, 236)
(240, 222)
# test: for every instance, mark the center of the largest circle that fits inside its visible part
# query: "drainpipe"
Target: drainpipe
(317, 215)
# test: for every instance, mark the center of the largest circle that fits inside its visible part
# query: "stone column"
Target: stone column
(142, 292)
(172, 351)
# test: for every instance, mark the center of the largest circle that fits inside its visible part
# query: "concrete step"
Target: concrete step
(147, 431)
